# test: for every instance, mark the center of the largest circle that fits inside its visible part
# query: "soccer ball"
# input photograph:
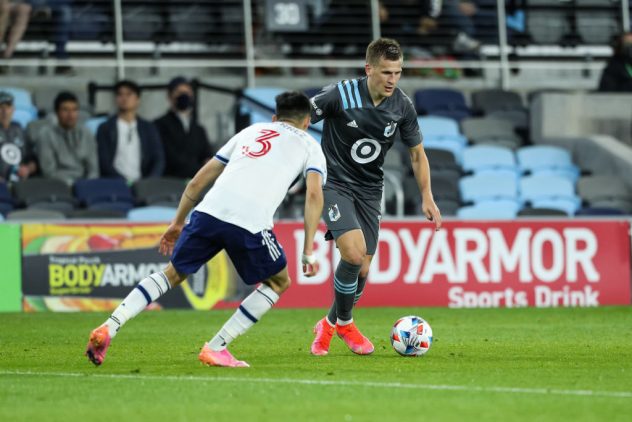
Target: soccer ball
(411, 336)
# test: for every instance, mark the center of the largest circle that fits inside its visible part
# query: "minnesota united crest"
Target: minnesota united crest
(389, 130)
(334, 213)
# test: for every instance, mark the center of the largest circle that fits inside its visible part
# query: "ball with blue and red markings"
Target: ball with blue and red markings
(411, 336)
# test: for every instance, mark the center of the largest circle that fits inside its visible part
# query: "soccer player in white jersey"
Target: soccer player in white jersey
(252, 174)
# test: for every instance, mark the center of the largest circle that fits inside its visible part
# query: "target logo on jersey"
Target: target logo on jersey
(264, 143)
(365, 150)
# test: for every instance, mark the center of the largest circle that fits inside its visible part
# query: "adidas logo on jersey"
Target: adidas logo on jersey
(352, 124)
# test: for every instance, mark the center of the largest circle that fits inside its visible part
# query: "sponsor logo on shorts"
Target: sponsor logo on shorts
(334, 213)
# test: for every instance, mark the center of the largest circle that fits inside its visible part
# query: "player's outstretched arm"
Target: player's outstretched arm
(313, 211)
(421, 169)
(191, 196)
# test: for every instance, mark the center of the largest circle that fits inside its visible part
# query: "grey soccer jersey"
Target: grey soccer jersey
(357, 134)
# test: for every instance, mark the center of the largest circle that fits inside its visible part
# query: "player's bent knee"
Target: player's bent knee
(174, 276)
(279, 283)
(354, 257)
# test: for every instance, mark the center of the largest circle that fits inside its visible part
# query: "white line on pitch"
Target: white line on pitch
(438, 387)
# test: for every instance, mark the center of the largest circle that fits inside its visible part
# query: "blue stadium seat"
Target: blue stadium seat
(548, 159)
(442, 133)
(107, 194)
(23, 117)
(501, 209)
(549, 192)
(454, 146)
(6, 201)
(441, 102)
(152, 213)
(438, 126)
(489, 157)
(485, 187)
(93, 123)
(21, 97)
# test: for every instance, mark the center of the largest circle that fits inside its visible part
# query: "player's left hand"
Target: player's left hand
(169, 238)
(431, 211)
(310, 265)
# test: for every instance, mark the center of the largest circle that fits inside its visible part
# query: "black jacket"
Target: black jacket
(151, 153)
(616, 77)
(185, 152)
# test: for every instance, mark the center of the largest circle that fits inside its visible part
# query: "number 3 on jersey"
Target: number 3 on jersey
(264, 140)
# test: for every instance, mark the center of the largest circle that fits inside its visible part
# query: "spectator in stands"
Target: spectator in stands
(17, 161)
(67, 150)
(14, 18)
(129, 146)
(185, 142)
(617, 75)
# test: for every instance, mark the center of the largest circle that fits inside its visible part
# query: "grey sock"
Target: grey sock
(332, 316)
(345, 286)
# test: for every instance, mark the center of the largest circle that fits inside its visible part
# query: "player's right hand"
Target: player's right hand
(310, 265)
(169, 238)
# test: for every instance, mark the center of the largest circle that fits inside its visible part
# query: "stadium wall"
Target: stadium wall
(542, 263)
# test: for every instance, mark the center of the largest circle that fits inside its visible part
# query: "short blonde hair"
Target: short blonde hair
(386, 48)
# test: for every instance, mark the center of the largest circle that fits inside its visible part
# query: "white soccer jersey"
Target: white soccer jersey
(261, 162)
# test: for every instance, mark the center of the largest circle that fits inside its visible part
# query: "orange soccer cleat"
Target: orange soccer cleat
(222, 358)
(354, 339)
(98, 345)
(324, 333)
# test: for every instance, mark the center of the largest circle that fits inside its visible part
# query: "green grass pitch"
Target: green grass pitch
(493, 364)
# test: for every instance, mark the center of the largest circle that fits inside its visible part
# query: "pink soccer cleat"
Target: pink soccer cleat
(98, 345)
(354, 339)
(324, 333)
(223, 358)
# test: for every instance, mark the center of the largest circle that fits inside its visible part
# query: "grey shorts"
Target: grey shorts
(343, 212)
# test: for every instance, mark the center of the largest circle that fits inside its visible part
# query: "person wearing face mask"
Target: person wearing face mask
(617, 75)
(185, 141)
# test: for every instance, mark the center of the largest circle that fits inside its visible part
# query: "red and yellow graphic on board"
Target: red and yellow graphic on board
(92, 267)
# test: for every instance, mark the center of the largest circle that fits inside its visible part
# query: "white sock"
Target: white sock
(250, 311)
(145, 292)
(342, 323)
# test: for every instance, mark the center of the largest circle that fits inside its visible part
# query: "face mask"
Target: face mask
(184, 102)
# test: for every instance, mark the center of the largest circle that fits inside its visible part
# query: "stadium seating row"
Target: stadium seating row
(495, 181)
(90, 197)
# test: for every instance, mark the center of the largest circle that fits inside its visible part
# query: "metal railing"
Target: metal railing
(240, 34)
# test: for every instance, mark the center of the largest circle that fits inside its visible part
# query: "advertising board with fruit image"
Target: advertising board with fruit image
(92, 267)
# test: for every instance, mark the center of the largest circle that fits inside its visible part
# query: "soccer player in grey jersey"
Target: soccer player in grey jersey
(362, 117)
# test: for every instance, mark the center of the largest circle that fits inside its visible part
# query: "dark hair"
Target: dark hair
(386, 48)
(131, 85)
(63, 97)
(292, 105)
(176, 82)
